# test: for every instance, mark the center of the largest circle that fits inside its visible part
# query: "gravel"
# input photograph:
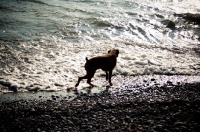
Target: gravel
(166, 108)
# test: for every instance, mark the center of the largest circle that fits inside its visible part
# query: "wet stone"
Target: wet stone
(153, 109)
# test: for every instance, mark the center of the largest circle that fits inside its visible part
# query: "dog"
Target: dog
(106, 62)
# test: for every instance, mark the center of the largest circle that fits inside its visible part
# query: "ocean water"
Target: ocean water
(43, 43)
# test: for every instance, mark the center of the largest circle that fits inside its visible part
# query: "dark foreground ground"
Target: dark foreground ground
(166, 108)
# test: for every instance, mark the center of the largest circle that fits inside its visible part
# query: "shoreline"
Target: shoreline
(167, 108)
(121, 84)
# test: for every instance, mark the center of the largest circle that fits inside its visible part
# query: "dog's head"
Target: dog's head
(114, 52)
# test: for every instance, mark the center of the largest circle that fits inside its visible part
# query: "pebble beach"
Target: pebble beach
(157, 108)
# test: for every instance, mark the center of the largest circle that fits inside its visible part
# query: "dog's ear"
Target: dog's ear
(109, 51)
(86, 59)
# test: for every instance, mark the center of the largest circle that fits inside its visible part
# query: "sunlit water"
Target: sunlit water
(43, 43)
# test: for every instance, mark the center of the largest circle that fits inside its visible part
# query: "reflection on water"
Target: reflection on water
(92, 20)
(43, 44)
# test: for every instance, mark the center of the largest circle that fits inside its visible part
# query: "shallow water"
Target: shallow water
(142, 86)
(43, 44)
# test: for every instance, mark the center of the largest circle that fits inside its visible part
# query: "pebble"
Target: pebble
(108, 112)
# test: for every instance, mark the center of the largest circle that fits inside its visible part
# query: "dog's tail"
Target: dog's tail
(86, 59)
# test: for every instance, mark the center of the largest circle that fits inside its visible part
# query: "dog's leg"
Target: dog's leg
(79, 79)
(89, 82)
(110, 75)
(90, 76)
(106, 75)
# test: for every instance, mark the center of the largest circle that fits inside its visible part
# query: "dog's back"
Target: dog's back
(101, 62)
(105, 62)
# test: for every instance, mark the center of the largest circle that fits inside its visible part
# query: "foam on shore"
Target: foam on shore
(57, 67)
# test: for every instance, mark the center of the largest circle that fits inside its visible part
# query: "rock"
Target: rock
(148, 122)
(170, 82)
(190, 17)
(32, 110)
(171, 25)
(69, 122)
(180, 123)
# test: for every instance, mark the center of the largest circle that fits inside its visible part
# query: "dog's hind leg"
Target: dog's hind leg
(80, 78)
(88, 76)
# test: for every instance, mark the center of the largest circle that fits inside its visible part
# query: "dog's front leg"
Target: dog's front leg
(90, 75)
(106, 75)
(110, 75)
(79, 79)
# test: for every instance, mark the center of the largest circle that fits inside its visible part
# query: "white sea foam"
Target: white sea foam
(57, 69)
